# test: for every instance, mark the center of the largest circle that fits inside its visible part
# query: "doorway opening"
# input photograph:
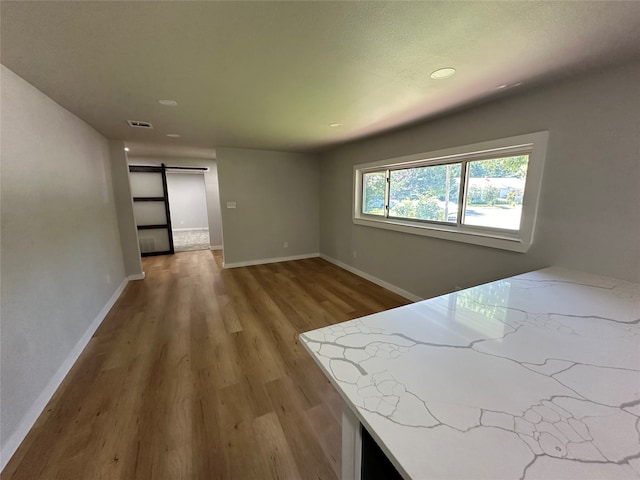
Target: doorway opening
(188, 209)
(151, 209)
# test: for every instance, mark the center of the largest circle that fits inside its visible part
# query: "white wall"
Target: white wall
(62, 263)
(188, 201)
(124, 210)
(276, 195)
(589, 212)
(210, 185)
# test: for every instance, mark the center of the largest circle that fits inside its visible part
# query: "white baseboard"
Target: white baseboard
(269, 260)
(139, 276)
(371, 278)
(215, 247)
(16, 438)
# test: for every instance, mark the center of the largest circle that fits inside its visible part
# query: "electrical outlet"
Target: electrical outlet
(355, 254)
(108, 279)
(286, 244)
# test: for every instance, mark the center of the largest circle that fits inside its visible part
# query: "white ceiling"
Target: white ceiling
(274, 75)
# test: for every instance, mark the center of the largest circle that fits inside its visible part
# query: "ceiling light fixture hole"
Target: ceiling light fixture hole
(443, 73)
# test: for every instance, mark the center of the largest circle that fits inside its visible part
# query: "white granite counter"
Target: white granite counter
(531, 377)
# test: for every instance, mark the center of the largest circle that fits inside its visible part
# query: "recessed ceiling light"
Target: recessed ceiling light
(502, 86)
(173, 135)
(168, 103)
(443, 73)
(333, 125)
(126, 149)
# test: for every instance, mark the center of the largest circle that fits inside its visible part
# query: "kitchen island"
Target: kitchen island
(535, 376)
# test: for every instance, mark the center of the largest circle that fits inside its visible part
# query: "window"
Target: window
(486, 194)
(373, 193)
(425, 193)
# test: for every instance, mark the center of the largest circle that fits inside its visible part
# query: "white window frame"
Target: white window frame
(532, 144)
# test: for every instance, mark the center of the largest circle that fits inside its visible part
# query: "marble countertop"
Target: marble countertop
(531, 377)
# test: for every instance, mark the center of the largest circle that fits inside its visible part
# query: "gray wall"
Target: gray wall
(188, 201)
(589, 216)
(276, 194)
(124, 209)
(210, 185)
(61, 255)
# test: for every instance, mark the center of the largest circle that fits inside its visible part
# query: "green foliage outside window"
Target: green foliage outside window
(425, 193)
(373, 193)
(506, 167)
(432, 192)
(425, 207)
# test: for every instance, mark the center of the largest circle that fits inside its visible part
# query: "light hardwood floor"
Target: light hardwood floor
(197, 373)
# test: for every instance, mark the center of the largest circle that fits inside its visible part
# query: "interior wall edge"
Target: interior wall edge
(124, 209)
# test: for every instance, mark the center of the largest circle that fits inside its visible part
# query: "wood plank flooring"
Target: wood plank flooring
(197, 373)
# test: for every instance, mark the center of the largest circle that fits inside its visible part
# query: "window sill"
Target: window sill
(488, 238)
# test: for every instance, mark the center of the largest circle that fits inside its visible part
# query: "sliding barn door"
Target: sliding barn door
(151, 209)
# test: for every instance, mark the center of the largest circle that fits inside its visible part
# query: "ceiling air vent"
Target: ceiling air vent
(138, 124)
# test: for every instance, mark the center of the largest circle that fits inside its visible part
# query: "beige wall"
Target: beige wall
(188, 201)
(61, 256)
(276, 195)
(589, 211)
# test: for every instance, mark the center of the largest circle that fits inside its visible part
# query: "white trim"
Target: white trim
(36, 409)
(269, 260)
(215, 247)
(195, 229)
(371, 278)
(351, 444)
(444, 232)
(139, 276)
(517, 241)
